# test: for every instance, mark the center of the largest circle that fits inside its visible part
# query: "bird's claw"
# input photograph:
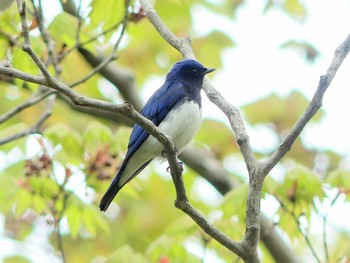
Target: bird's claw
(165, 155)
(181, 167)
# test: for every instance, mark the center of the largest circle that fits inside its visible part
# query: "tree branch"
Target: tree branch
(325, 80)
(36, 128)
(257, 171)
(249, 243)
(114, 49)
(121, 78)
(32, 100)
(125, 109)
(50, 44)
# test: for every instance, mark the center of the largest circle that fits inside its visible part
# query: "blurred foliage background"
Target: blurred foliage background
(52, 182)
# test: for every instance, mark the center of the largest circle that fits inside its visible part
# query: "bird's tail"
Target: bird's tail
(117, 184)
(109, 196)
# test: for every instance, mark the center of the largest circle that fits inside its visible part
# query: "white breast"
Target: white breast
(181, 124)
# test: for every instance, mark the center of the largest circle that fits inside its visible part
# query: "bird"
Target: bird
(175, 108)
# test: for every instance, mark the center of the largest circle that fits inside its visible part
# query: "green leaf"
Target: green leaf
(172, 12)
(126, 254)
(169, 248)
(270, 185)
(235, 202)
(215, 41)
(64, 28)
(219, 145)
(9, 19)
(295, 8)
(287, 223)
(228, 8)
(11, 130)
(39, 204)
(24, 200)
(92, 219)
(311, 53)
(4, 45)
(16, 259)
(71, 141)
(120, 139)
(96, 136)
(106, 13)
(44, 186)
(283, 114)
(74, 219)
(301, 185)
(183, 226)
(22, 61)
(339, 178)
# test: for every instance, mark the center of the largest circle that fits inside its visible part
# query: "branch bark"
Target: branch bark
(250, 241)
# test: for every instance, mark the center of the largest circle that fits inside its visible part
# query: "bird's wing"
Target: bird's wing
(156, 109)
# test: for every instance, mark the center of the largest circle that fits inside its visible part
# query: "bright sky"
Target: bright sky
(258, 67)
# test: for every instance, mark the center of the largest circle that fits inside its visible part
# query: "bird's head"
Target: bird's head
(189, 70)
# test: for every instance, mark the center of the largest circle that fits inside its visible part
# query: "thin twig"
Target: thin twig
(125, 109)
(112, 56)
(325, 80)
(36, 128)
(324, 220)
(297, 222)
(94, 71)
(79, 43)
(59, 232)
(92, 39)
(32, 100)
(50, 44)
(27, 46)
(80, 23)
(36, 97)
(249, 253)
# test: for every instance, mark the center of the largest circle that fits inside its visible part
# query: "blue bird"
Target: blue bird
(176, 109)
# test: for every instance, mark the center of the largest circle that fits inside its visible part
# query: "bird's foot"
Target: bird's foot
(181, 167)
(165, 155)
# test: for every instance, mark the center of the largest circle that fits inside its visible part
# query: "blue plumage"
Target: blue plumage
(175, 109)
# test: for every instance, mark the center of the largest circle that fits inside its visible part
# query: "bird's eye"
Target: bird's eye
(195, 72)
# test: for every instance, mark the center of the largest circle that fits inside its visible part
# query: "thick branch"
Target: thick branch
(125, 109)
(184, 46)
(249, 254)
(108, 115)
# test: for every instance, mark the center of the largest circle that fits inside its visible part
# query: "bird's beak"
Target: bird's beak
(208, 70)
